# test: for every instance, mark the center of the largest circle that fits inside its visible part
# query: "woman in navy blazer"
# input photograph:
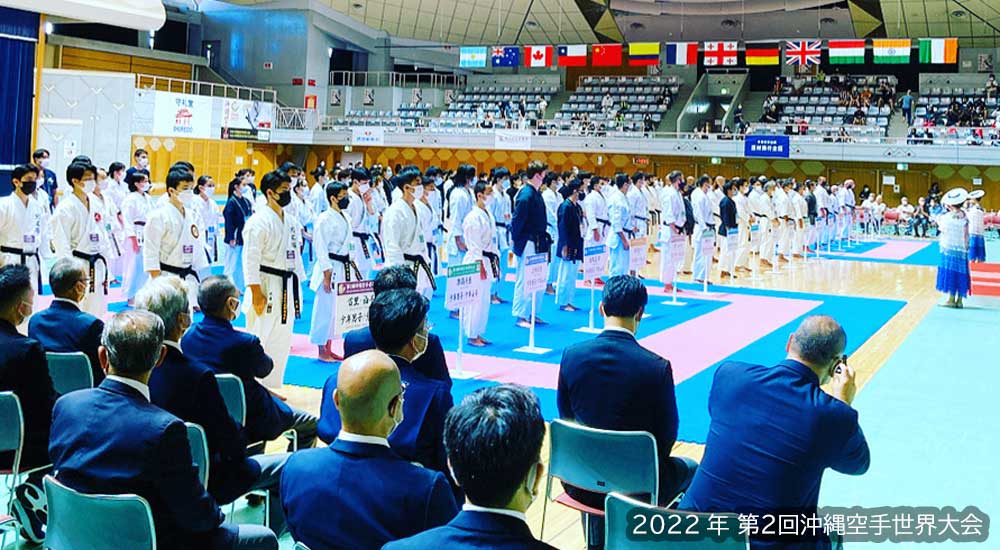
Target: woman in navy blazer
(236, 212)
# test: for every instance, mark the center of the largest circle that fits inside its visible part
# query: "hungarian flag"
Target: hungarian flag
(891, 51)
(765, 53)
(803, 52)
(847, 52)
(643, 53)
(938, 50)
(718, 54)
(606, 55)
(573, 55)
(538, 56)
(682, 53)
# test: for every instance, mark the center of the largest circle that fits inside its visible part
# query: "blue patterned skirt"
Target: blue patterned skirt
(977, 248)
(953, 273)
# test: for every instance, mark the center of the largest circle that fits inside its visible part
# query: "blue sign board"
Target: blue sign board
(766, 146)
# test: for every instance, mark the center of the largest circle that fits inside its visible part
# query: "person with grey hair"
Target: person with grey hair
(113, 440)
(189, 390)
(63, 327)
(775, 430)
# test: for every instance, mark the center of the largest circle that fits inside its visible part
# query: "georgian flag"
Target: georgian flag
(538, 56)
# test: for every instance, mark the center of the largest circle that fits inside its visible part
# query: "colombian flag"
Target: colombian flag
(643, 53)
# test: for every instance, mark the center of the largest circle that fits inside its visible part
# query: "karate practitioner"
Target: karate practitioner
(703, 239)
(360, 210)
(76, 232)
(744, 219)
(800, 213)
(460, 203)
(478, 229)
(847, 206)
(272, 269)
(620, 217)
(21, 223)
(499, 205)
(401, 231)
(332, 239)
(135, 211)
(595, 207)
(551, 200)
(428, 225)
(108, 210)
(317, 193)
(208, 221)
(435, 200)
(638, 206)
(672, 238)
(174, 242)
(783, 215)
(822, 212)
(766, 223)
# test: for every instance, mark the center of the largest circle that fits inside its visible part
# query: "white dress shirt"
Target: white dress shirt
(134, 384)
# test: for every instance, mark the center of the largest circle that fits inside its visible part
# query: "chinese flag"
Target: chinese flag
(606, 55)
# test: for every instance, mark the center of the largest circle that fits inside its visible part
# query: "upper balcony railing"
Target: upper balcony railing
(181, 86)
(376, 79)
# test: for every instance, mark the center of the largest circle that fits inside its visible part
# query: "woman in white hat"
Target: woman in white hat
(953, 272)
(977, 227)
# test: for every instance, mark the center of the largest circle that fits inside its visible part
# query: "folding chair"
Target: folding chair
(199, 450)
(96, 522)
(11, 440)
(300, 546)
(618, 509)
(599, 461)
(70, 371)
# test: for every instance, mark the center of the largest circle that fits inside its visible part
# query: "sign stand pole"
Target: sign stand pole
(589, 329)
(530, 348)
(536, 268)
(455, 275)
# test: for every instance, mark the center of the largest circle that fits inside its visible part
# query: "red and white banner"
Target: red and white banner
(720, 54)
(538, 56)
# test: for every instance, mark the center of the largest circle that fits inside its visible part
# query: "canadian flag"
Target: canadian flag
(538, 56)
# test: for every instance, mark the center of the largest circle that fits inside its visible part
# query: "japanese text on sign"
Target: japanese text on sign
(353, 299)
(595, 259)
(536, 273)
(637, 254)
(462, 288)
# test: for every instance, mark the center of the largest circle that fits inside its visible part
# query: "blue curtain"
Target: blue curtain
(17, 65)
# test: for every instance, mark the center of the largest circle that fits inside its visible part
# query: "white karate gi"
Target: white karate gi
(478, 229)
(174, 244)
(672, 238)
(20, 231)
(331, 235)
(703, 239)
(76, 230)
(135, 210)
(460, 203)
(361, 248)
(404, 241)
(619, 216)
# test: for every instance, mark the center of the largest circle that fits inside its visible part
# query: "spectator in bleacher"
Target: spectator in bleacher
(991, 86)
(886, 96)
(607, 102)
(906, 102)
(905, 211)
(770, 115)
(522, 107)
(859, 117)
(648, 125)
(542, 106)
(921, 218)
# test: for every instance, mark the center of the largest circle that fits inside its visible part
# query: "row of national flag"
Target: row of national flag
(714, 54)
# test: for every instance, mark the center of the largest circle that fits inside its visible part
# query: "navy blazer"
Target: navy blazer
(529, 222)
(431, 364)
(214, 343)
(190, 392)
(570, 238)
(420, 438)
(25, 371)
(235, 214)
(727, 214)
(64, 328)
(613, 383)
(110, 440)
(475, 531)
(773, 433)
(358, 496)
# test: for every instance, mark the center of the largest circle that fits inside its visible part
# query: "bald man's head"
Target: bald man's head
(818, 343)
(368, 386)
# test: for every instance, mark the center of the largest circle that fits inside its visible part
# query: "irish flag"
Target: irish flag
(891, 51)
(847, 52)
(938, 50)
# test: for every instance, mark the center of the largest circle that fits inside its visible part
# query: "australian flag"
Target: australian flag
(506, 56)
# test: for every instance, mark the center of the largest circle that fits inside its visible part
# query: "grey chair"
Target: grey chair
(96, 522)
(70, 371)
(678, 529)
(11, 440)
(199, 451)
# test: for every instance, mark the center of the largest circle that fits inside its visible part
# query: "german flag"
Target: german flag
(763, 53)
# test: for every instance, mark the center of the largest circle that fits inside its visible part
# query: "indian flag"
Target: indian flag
(847, 51)
(891, 51)
(938, 50)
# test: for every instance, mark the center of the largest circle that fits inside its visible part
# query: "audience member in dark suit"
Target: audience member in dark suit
(24, 371)
(775, 430)
(214, 343)
(494, 440)
(397, 319)
(112, 440)
(529, 232)
(190, 392)
(431, 364)
(64, 327)
(613, 383)
(358, 492)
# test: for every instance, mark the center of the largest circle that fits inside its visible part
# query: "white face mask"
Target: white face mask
(89, 185)
(423, 351)
(44, 163)
(143, 162)
(186, 197)
(209, 190)
(102, 185)
(363, 188)
(418, 192)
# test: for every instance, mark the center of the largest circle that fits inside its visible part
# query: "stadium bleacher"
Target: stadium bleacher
(409, 115)
(639, 95)
(969, 107)
(478, 101)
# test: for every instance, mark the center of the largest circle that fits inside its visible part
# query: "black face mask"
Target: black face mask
(342, 203)
(28, 187)
(284, 199)
(581, 195)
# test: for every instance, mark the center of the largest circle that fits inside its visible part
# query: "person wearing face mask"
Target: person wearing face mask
(377, 494)
(24, 370)
(530, 236)
(428, 225)
(174, 242)
(433, 197)
(302, 211)
(135, 211)
(478, 229)
(505, 424)
(21, 223)
(64, 327)
(360, 210)
(108, 210)
(272, 268)
(49, 181)
(620, 217)
(249, 187)
(460, 203)
(569, 246)
(672, 238)
(499, 206)
(317, 193)
(397, 320)
(401, 235)
(208, 216)
(332, 235)
(77, 232)
(140, 163)
(595, 207)
(613, 383)
(235, 214)
(551, 200)
(116, 192)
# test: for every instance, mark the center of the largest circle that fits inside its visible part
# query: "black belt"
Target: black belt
(364, 243)
(420, 263)
(92, 259)
(285, 275)
(182, 272)
(494, 263)
(605, 222)
(641, 218)
(24, 255)
(348, 265)
(630, 233)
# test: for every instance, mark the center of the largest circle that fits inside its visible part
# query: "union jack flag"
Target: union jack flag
(803, 52)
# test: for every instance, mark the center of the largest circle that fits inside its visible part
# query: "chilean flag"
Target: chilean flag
(682, 53)
(573, 55)
(538, 56)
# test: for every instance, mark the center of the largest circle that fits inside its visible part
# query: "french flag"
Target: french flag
(572, 55)
(682, 53)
